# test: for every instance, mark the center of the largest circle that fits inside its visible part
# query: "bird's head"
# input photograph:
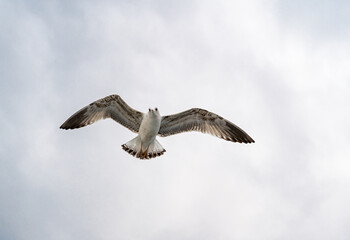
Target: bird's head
(153, 111)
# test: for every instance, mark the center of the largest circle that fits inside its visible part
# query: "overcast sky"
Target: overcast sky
(278, 69)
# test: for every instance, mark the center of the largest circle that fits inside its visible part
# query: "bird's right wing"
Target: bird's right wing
(113, 107)
(201, 120)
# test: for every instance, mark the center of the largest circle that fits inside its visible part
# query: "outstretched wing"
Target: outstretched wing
(109, 107)
(197, 119)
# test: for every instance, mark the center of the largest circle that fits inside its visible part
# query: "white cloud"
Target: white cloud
(249, 62)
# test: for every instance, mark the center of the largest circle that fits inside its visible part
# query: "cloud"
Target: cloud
(248, 62)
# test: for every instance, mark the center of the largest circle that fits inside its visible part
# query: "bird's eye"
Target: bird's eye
(149, 109)
(156, 109)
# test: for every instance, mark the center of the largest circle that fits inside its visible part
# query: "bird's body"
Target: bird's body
(145, 145)
(149, 125)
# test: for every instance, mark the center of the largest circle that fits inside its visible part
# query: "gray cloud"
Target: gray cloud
(245, 61)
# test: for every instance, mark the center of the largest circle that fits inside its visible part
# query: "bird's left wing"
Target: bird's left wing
(201, 120)
(111, 106)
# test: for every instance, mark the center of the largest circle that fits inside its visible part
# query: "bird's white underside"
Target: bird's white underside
(149, 127)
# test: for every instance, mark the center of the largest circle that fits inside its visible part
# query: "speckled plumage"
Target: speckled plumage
(149, 125)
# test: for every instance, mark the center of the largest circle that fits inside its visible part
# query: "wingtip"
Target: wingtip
(64, 127)
(245, 140)
(249, 141)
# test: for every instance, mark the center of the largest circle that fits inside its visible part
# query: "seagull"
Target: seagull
(149, 125)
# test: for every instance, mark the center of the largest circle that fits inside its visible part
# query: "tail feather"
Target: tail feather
(155, 149)
(136, 149)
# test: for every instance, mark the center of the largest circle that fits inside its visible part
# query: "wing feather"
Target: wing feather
(111, 106)
(201, 120)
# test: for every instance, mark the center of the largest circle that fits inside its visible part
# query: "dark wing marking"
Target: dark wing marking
(109, 107)
(200, 120)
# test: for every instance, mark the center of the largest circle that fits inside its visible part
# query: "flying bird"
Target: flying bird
(149, 125)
